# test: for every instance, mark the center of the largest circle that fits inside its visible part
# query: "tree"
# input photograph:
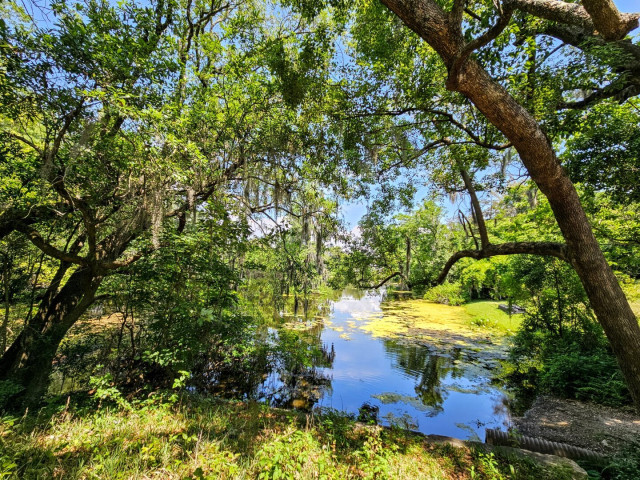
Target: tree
(603, 155)
(125, 121)
(407, 247)
(443, 31)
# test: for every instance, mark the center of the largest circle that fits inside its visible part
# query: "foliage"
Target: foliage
(413, 245)
(487, 466)
(617, 226)
(447, 294)
(106, 390)
(623, 465)
(274, 460)
(602, 153)
(577, 364)
(7, 390)
(591, 375)
(182, 152)
(559, 348)
(199, 438)
(136, 133)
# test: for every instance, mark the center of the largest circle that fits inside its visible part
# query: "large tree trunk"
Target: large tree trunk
(536, 152)
(606, 297)
(28, 362)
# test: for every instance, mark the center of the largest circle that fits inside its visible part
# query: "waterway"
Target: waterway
(419, 365)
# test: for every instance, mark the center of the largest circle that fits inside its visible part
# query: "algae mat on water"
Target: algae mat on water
(433, 324)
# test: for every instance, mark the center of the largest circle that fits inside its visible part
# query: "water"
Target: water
(438, 386)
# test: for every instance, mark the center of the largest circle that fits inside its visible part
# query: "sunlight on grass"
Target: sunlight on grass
(198, 439)
(486, 313)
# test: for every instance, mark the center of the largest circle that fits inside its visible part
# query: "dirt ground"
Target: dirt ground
(602, 429)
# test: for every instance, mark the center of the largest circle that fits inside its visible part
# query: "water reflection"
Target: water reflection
(430, 369)
(299, 357)
(322, 357)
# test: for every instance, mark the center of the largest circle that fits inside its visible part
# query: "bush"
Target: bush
(578, 365)
(592, 375)
(447, 294)
(7, 390)
(624, 465)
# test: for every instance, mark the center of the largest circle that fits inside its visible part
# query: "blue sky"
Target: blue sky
(627, 5)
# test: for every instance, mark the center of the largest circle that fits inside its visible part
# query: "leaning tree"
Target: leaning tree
(493, 58)
(448, 28)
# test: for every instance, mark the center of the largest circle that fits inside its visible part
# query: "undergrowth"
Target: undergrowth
(197, 438)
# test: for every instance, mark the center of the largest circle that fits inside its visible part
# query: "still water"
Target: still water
(427, 379)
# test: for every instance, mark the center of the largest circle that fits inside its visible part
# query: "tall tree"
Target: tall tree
(444, 30)
(125, 120)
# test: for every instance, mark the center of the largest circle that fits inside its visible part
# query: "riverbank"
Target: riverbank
(206, 438)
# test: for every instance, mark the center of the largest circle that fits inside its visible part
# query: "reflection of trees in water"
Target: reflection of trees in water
(292, 357)
(276, 306)
(299, 354)
(390, 295)
(430, 369)
(240, 377)
(383, 294)
(298, 358)
(356, 293)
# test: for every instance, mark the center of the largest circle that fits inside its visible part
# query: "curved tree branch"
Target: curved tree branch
(600, 15)
(26, 141)
(625, 62)
(476, 139)
(609, 22)
(548, 249)
(34, 237)
(481, 41)
(610, 92)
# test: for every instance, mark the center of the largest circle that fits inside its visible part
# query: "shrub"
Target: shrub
(578, 365)
(624, 465)
(447, 294)
(592, 375)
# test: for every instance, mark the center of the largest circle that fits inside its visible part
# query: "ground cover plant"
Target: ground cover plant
(196, 438)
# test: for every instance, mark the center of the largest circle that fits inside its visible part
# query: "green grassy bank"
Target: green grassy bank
(486, 313)
(196, 438)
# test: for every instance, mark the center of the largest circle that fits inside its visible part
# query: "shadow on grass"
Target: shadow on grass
(205, 438)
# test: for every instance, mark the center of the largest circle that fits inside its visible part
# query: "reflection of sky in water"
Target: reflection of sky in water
(434, 393)
(353, 307)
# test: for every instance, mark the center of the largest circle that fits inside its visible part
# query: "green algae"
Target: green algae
(447, 331)
(423, 322)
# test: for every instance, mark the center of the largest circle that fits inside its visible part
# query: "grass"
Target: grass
(486, 313)
(199, 438)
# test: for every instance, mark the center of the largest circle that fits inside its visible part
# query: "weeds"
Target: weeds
(200, 438)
